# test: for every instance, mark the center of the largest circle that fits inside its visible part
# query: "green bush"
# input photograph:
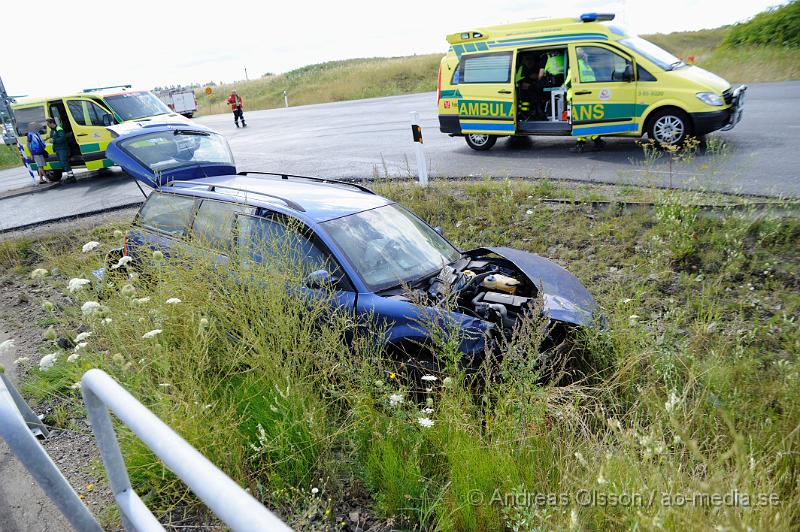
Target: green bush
(777, 26)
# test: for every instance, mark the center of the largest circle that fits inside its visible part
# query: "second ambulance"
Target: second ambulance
(584, 77)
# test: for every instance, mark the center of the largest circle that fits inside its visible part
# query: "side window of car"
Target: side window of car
(76, 110)
(281, 242)
(600, 65)
(485, 68)
(95, 115)
(213, 224)
(167, 213)
(643, 75)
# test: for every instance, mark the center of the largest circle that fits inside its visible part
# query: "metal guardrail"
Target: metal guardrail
(18, 424)
(19, 427)
(234, 506)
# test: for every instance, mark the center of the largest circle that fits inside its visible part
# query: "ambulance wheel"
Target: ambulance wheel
(669, 126)
(53, 175)
(480, 142)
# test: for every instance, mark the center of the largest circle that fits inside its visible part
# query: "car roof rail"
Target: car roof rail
(212, 188)
(323, 180)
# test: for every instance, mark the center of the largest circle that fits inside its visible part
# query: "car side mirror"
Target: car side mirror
(438, 230)
(108, 120)
(627, 74)
(319, 279)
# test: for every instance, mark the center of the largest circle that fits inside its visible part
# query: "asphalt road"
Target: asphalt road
(372, 139)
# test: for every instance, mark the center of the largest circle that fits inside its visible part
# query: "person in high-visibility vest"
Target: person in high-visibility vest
(60, 140)
(526, 83)
(553, 69)
(237, 106)
(586, 75)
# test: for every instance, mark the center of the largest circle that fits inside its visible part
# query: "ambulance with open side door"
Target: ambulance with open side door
(622, 85)
(85, 117)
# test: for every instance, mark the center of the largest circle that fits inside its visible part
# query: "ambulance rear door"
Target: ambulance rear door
(89, 122)
(485, 82)
(604, 99)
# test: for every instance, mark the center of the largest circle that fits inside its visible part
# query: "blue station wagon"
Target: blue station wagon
(374, 250)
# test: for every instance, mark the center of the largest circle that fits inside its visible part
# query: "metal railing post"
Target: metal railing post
(14, 430)
(237, 508)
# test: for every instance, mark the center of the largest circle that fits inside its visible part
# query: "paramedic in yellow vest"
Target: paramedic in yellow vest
(553, 70)
(586, 75)
(526, 83)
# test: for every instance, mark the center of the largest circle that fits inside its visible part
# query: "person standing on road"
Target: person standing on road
(237, 106)
(36, 147)
(61, 147)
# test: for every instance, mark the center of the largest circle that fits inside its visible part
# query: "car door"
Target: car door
(486, 85)
(276, 241)
(604, 90)
(162, 224)
(212, 229)
(89, 122)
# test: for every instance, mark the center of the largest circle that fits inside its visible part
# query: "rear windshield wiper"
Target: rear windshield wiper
(191, 132)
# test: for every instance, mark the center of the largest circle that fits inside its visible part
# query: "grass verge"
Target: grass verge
(687, 418)
(9, 157)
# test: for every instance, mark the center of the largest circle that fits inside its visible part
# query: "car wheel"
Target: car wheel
(670, 126)
(480, 141)
(53, 175)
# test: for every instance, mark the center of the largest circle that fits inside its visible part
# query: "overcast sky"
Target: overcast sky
(64, 46)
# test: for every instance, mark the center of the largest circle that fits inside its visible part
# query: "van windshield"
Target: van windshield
(135, 105)
(653, 53)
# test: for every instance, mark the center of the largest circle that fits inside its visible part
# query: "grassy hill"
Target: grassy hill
(738, 53)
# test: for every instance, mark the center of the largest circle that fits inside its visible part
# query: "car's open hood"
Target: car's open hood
(565, 298)
(157, 153)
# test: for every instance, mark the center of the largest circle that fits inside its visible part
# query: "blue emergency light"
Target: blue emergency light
(594, 17)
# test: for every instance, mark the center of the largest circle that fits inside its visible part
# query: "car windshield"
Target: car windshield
(653, 53)
(388, 246)
(135, 105)
(165, 150)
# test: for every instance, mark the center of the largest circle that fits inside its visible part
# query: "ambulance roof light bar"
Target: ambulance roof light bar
(596, 17)
(95, 89)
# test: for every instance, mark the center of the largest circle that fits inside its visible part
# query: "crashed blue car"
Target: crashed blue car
(380, 259)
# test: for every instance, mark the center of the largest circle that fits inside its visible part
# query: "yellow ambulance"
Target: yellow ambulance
(84, 117)
(580, 77)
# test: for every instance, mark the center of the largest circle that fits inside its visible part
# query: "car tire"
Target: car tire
(53, 175)
(480, 141)
(669, 127)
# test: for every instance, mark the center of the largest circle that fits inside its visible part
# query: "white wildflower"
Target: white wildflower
(428, 378)
(38, 273)
(123, 261)
(157, 255)
(633, 319)
(47, 306)
(82, 336)
(314, 491)
(164, 384)
(75, 386)
(428, 410)
(601, 479)
(203, 323)
(47, 361)
(529, 212)
(118, 233)
(90, 246)
(21, 360)
(142, 300)
(106, 321)
(7, 348)
(447, 382)
(672, 402)
(80, 346)
(128, 290)
(458, 223)
(626, 300)
(425, 422)
(395, 399)
(173, 301)
(151, 334)
(73, 357)
(77, 283)
(90, 307)
(429, 401)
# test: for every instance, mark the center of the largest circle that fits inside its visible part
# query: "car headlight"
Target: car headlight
(710, 98)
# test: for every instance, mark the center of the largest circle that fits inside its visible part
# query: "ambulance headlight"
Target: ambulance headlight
(709, 98)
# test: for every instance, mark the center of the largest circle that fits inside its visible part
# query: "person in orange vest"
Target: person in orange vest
(237, 106)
